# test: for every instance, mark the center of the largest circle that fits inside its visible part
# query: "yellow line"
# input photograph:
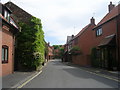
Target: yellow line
(29, 80)
(102, 75)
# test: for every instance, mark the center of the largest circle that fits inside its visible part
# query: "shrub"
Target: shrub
(75, 50)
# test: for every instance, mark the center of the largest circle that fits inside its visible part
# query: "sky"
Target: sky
(62, 18)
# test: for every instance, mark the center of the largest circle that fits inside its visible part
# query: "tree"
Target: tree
(57, 46)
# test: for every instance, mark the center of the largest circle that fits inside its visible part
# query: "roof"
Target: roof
(19, 13)
(3, 6)
(84, 29)
(107, 41)
(4, 20)
(11, 25)
(112, 14)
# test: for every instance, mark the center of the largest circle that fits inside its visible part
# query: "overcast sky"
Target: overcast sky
(62, 18)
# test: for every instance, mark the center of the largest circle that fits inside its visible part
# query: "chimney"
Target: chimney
(92, 21)
(72, 36)
(111, 6)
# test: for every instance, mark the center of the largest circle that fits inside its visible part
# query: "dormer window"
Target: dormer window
(99, 32)
(7, 15)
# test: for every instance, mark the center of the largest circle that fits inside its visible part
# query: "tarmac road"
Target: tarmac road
(59, 75)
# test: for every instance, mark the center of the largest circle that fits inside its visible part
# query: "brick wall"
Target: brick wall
(7, 39)
(85, 42)
(108, 29)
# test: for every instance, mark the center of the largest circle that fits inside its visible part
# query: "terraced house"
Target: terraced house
(9, 29)
(107, 38)
(99, 44)
(84, 40)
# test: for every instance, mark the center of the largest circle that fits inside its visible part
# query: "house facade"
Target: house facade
(67, 48)
(9, 29)
(84, 40)
(103, 38)
(50, 52)
(107, 39)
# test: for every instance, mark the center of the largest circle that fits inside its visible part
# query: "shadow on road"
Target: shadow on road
(77, 72)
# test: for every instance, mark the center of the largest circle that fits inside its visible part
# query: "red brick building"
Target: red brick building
(67, 48)
(9, 29)
(107, 37)
(84, 40)
(49, 52)
(104, 37)
(58, 50)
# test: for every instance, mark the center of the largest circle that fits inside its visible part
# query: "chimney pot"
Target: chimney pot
(111, 6)
(92, 20)
(72, 36)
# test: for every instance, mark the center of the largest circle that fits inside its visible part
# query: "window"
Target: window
(13, 23)
(99, 32)
(4, 54)
(7, 15)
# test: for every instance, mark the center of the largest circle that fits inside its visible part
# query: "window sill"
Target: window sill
(4, 62)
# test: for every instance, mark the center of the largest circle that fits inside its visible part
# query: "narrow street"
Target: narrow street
(58, 75)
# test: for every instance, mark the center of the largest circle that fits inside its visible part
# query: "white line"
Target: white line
(29, 80)
(102, 75)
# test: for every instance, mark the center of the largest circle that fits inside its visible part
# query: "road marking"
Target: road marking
(29, 80)
(102, 75)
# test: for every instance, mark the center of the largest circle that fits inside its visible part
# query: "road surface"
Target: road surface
(59, 75)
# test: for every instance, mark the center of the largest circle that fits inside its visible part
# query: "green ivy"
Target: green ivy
(75, 50)
(30, 44)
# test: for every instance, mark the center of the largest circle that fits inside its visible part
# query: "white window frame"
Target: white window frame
(99, 32)
(7, 15)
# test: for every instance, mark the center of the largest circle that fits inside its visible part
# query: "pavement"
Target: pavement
(62, 75)
(13, 80)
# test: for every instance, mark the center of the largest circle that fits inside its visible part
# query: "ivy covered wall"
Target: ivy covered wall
(30, 45)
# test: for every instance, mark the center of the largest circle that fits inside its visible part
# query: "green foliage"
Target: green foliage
(30, 44)
(94, 60)
(75, 50)
(61, 52)
(57, 46)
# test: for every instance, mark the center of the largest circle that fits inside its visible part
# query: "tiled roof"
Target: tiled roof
(113, 13)
(107, 40)
(19, 13)
(85, 28)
